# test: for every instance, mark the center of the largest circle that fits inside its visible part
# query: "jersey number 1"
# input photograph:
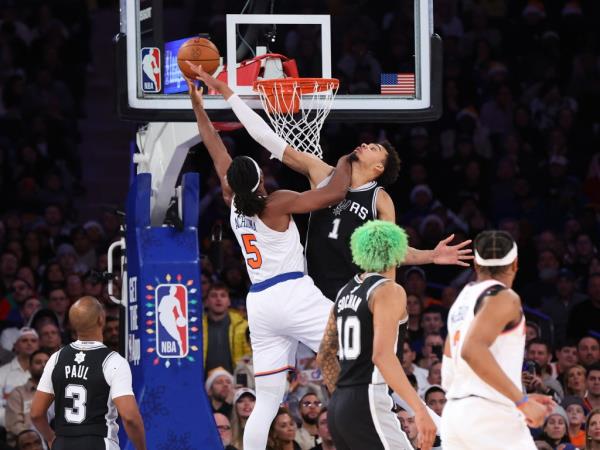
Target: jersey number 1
(333, 234)
(78, 393)
(254, 259)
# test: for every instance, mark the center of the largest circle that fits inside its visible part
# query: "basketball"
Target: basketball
(198, 51)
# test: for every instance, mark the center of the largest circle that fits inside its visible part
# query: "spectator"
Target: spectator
(19, 400)
(585, 317)
(21, 291)
(74, 287)
(410, 368)
(432, 321)
(414, 308)
(219, 387)
(324, 434)
(435, 398)
(432, 351)
(532, 331)
(548, 265)
(566, 357)
(243, 404)
(26, 312)
(29, 440)
(224, 428)
(307, 434)
(434, 377)
(282, 432)
(59, 304)
(416, 284)
(592, 397)
(50, 339)
(16, 372)
(244, 371)
(588, 350)
(575, 381)
(111, 333)
(559, 307)
(538, 351)
(407, 422)
(575, 409)
(555, 428)
(224, 331)
(592, 430)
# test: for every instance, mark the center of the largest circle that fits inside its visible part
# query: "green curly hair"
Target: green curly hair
(378, 245)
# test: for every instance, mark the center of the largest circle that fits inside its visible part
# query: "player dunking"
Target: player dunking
(358, 356)
(328, 257)
(284, 306)
(484, 355)
(88, 384)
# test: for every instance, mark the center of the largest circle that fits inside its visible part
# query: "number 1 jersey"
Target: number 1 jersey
(84, 378)
(328, 254)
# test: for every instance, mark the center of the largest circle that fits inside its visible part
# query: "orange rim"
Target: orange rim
(304, 85)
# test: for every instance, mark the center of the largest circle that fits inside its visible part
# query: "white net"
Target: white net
(297, 108)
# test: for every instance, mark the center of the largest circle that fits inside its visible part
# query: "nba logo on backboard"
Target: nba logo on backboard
(151, 70)
(171, 305)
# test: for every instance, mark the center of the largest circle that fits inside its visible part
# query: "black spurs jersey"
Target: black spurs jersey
(328, 256)
(355, 330)
(84, 378)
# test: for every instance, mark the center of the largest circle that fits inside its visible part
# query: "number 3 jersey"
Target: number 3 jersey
(355, 331)
(267, 252)
(84, 378)
(328, 254)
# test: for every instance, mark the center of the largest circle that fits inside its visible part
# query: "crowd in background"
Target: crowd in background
(517, 148)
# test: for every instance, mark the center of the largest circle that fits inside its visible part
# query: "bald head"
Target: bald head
(86, 315)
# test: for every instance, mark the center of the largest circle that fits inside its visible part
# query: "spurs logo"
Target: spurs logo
(342, 206)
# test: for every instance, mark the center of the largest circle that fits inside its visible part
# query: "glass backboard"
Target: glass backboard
(384, 53)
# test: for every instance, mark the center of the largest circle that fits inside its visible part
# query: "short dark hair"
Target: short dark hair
(37, 352)
(539, 341)
(430, 390)
(493, 244)
(217, 286)
(323, 410)
(434, 309)
(25, 432)
(392, 165)
(111, 319)
(309, 392)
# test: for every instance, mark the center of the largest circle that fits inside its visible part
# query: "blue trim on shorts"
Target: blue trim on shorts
(261, 286)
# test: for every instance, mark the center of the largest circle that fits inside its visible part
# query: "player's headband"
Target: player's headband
(505, 261)
(257, 174)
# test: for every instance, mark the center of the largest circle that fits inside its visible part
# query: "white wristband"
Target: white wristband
(260, 131)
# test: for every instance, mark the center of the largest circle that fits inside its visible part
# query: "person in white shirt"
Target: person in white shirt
(16, 372)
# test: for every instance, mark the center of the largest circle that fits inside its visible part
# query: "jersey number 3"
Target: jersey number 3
(348, 337)
(78, 393)
(254, 259)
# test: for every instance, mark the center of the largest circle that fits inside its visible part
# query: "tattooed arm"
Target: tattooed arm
(327, 358)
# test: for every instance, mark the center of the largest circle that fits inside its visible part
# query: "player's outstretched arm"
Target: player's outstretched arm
(132, 420)
(490, 321)
(306, 164)
(38, 413)
(216, 149)
(327, 357)
(291, 202)
(388, 303)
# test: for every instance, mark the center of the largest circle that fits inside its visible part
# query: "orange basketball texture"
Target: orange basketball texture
(198, 51)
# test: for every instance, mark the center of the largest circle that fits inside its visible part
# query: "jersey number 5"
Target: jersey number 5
(254, 259)
(78, 393)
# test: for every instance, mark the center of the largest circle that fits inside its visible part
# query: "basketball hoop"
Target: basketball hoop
(297, 108)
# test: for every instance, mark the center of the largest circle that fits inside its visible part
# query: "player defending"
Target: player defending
(484, 355)
(88, 384)
(284, 306)
(328, 257)
(365, 321)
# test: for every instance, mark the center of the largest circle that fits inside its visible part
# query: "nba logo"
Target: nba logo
(171, 305)
(151, 70)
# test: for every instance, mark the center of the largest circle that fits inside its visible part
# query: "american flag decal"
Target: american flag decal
(398, 84)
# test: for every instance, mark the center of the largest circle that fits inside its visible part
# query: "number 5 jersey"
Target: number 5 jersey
(84, 378)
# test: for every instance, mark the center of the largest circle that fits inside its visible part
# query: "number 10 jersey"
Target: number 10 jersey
(328, 254)
(84, 378)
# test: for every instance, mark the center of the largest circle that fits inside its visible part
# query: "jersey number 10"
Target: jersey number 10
(348, 338)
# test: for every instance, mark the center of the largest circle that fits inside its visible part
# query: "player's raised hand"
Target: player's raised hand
(452, 254)
(195, 94)
(426, 429)
(209, 80)
(534, 412)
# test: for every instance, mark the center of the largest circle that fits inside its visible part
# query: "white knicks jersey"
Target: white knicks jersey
(267, 252)
(508, 349)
